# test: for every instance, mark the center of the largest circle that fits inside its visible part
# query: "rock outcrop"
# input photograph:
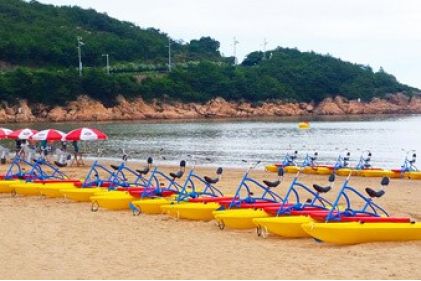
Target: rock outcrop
(86, 109)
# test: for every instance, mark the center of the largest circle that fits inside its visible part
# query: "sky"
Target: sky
(379, 33)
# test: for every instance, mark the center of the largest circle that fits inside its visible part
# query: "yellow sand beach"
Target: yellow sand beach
(58, 239)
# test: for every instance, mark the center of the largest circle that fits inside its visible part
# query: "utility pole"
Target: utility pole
(234, 44)
(108, 63)
(169, 54)
(79, 53)
(265, 43)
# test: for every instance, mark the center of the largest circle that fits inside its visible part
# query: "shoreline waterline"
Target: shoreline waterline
(297, 118)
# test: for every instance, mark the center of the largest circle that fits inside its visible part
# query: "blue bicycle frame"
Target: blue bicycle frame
(316, 201)
(95, 169)
(116, 177)
(364, 163)
(157, 189)
(36, 171)
(308, 161)
(341, 162)
(289, 160)
(245, 183)
(16, 164)
(369, 208)
(408, 165)
(208, 190)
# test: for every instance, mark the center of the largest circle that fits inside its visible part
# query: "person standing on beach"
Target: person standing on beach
(77, 155)
(44, 149)
(18, 146)
(21, 148)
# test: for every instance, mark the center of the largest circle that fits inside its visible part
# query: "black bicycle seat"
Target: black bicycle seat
(272, 183)
(177, 174)
(321, 189)
(58, 164)
(374, 194)
(114, 167)
(211, 180)
(144, 171)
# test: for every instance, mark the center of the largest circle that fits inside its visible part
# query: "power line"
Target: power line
(79, 52)
(169, 54)
(265, 43)
(234, 44)
(108, 63)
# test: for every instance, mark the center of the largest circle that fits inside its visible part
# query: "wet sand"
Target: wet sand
(57, 239)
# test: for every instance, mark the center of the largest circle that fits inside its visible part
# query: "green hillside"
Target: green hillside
(38, 48)
(45, 35)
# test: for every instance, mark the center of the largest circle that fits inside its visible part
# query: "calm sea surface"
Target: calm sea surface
(226, 143)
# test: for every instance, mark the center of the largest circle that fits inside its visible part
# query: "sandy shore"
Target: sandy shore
(52, 239)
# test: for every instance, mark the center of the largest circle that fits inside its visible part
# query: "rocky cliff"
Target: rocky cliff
(85, 109)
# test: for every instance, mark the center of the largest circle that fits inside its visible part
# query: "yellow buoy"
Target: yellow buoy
(304, 125)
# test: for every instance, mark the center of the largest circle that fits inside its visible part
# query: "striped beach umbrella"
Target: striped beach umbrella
(86, 134)
(4, 133)
(22, 134)
(49, 135)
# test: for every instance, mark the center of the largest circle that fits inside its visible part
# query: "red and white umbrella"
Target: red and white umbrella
(86, 134)
(22, 134)
(49, 135)
(4, 133)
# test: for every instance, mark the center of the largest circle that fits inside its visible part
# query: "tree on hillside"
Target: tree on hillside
(253, 58)
(204, 46)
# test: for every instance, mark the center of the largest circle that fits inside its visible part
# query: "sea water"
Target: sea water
(228, 142)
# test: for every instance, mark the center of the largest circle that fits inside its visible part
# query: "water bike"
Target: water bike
(116, 175)
(161, 184)
(369, 223)
(342, 165)
(310, 163)
(118, 194)
(162, 192)
(42, 178)
(342, 162)
(289, 164)
(408, 168)
(98, 179)
(363, 168)
(52, 179)
(153, 187)
(367, 170)
(18, 171)
(248, 201)
(101, 179)
(286, 220)
(196, 202)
